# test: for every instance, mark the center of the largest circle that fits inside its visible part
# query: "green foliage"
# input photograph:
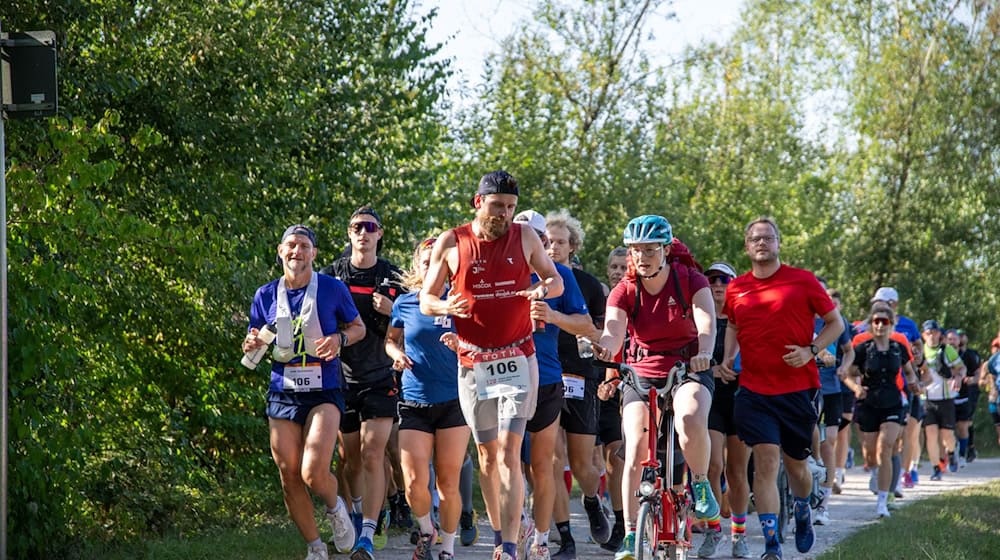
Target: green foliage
(142, 222)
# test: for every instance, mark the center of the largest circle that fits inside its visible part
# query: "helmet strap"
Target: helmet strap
(653, 275)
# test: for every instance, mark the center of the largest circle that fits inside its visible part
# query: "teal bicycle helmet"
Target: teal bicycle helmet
(648, 229)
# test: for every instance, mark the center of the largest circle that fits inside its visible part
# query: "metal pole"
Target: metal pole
(3, 343)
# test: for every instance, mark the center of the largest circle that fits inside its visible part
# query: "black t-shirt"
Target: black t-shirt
(972, 362)
(365, 362)
(879, 370)
(593, 295)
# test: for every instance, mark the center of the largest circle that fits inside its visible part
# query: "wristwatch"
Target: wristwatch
(814, 349)
(343, 340)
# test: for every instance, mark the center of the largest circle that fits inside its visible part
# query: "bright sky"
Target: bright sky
(471, 29)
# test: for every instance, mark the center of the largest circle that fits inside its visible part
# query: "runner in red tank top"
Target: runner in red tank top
(487, 261)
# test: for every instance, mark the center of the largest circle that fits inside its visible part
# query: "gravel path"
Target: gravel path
(851, 510)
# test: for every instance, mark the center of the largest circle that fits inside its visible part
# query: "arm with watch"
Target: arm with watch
(799, 356)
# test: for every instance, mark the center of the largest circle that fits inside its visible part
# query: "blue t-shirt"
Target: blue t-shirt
(334, 307)
(828, 380)
(434, 377)
(570, 302)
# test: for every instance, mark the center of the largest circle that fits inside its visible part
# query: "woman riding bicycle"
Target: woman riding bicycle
(665, 305)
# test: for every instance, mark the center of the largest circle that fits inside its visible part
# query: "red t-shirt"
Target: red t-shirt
(898, 337)
(489, 275)
(660, 324)
(769, 314)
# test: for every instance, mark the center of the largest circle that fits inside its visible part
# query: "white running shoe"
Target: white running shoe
(821, 516)
(317, 554)
(343, 528)
(883, 511)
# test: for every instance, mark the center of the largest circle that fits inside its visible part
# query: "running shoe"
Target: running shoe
(499, 554)
(953, 461)
(943, 464)
(444, 555)
(317, 554)
(961, 462)
(821, 517)
(705, 506)
(897, 494)
(567, 551)
(524, 537)
(804, 535)
(344, 534)
(627, 550)
(883, 511)
(600, 527)
(617, 534)
(469, 531)
(740, 548)
(937, 473)
(915, 476)
(771, 555)
(363, 550)
(971, 455)
(710, 544)
(907, 480)
(424, 544)
(538, 552)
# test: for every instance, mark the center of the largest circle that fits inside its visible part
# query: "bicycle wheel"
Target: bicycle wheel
(784, 503)
(647, 534)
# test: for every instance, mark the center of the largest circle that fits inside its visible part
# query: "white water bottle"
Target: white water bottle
(252, 358)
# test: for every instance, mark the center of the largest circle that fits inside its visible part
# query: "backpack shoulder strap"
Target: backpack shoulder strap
(681, 298)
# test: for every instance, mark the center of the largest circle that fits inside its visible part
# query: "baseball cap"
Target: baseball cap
(533, 219)
(367, 210)
(299, 229)
(931, 325)
(885, 293)
(496, 182)
(721, 267)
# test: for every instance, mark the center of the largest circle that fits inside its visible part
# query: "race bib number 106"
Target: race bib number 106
(504, 372)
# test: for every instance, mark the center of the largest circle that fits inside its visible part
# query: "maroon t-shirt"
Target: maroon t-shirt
(660, 324)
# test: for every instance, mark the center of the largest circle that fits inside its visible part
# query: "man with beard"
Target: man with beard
(770, 311)
(489, 262)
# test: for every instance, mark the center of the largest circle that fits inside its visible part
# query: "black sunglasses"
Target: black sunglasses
(370, 227)
(719, 279)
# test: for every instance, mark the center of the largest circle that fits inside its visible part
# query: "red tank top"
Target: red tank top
(489, 275)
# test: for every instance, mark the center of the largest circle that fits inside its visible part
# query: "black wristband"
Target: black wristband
(343, 340)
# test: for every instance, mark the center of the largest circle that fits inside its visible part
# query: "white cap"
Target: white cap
(533, 219)
(721, 267)
(885, 293)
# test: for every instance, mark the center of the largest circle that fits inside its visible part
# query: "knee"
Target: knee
(373, 459)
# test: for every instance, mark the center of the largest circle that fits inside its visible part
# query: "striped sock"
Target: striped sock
(713, 524)
(739, 526)
(368, 528)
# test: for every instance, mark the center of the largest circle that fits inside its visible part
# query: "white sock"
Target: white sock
(883, 498)
(425, 524)
(368, 528)
(448, 542)
(541, 538)
(356, 505)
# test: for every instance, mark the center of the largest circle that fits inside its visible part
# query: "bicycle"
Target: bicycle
(663, 528)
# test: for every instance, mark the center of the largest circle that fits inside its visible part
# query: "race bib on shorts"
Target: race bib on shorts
(299, 378)
(499, 373)
(574, 386)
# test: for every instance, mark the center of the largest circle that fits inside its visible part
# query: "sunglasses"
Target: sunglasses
(720, 280)
(880, 321)
(358, 227)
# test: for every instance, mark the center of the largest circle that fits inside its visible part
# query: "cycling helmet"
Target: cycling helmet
(648, 229)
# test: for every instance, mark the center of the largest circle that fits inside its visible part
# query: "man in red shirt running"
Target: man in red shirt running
(489, 263)
(771, 310)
